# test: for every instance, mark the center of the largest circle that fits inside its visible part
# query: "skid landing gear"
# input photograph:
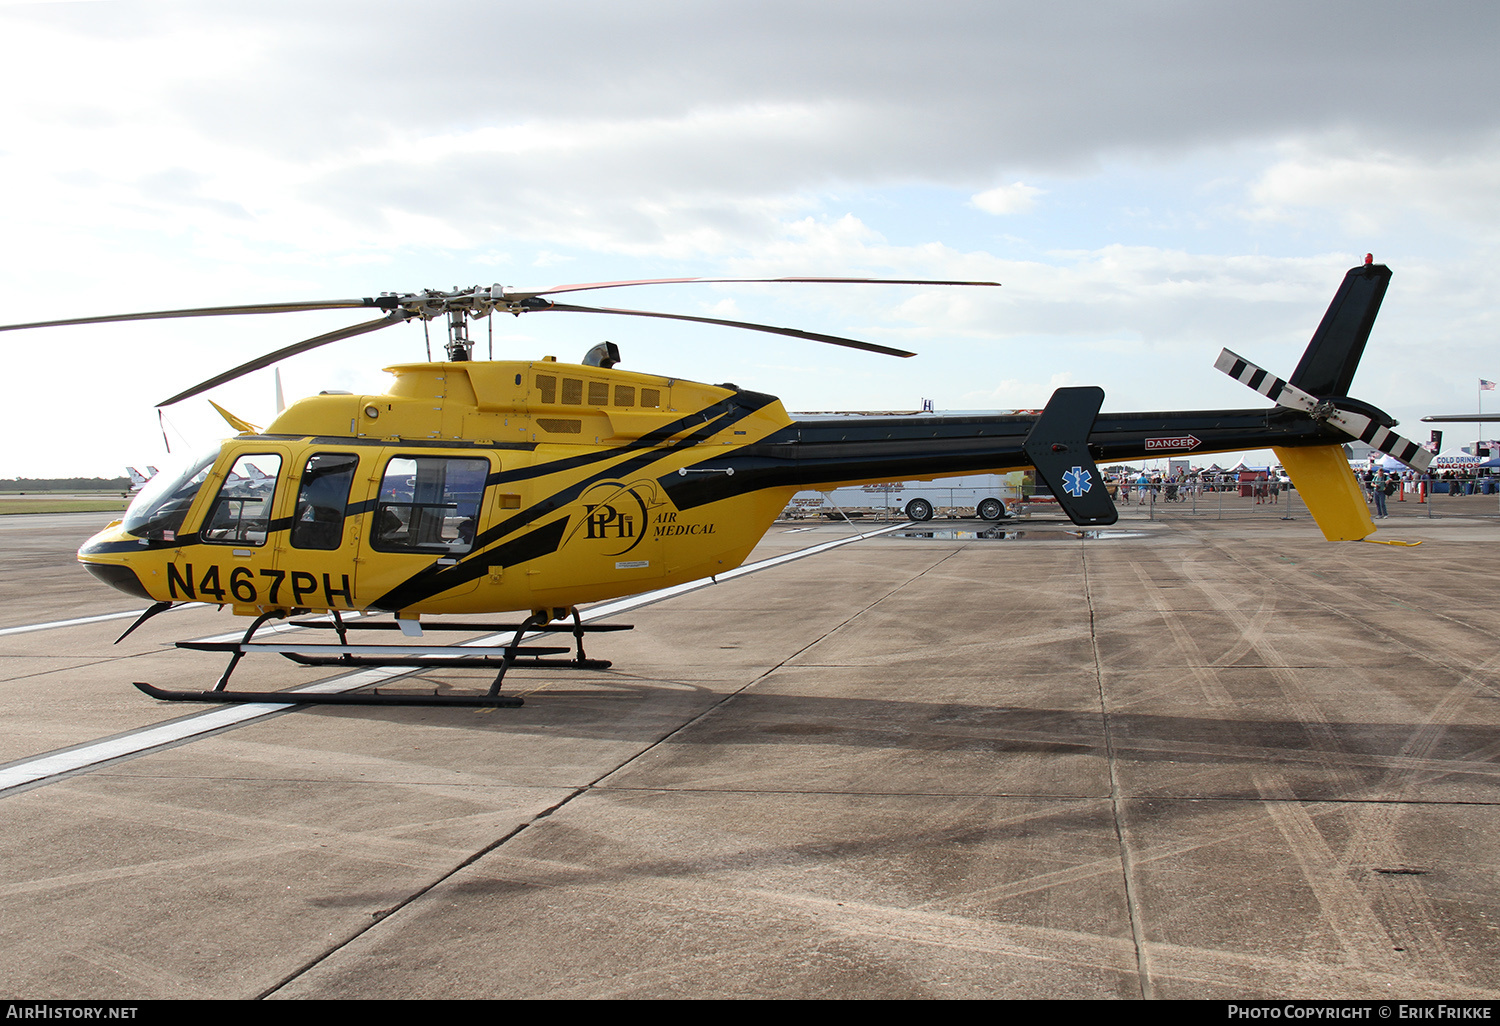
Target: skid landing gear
(500, 657)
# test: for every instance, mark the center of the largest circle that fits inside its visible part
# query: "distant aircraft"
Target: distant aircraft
(137, 479)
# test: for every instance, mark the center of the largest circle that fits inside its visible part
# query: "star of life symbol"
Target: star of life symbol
(1077, 481)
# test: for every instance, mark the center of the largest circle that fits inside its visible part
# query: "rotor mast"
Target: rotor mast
(456, 306)
(460, 346)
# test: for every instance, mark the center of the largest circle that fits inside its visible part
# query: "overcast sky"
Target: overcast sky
(1149, 181)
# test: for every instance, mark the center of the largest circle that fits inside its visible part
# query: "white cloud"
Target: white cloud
(1012, 394)
(1016, 198)
(1371, 189)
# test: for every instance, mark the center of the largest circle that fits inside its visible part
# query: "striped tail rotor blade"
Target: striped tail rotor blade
(1282, 393)
(1379, 437)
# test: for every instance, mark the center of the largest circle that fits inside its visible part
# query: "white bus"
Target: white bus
(986, 496)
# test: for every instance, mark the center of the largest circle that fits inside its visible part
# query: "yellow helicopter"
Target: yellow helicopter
(475, 487)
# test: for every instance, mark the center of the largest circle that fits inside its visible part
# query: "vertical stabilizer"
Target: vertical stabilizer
(1328, 365)
(1058, 446)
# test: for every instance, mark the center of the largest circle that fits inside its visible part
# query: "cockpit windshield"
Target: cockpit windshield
(158, 511)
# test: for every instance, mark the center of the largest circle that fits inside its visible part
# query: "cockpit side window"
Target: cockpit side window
(322, 498)
(241, 515)
(429, 504)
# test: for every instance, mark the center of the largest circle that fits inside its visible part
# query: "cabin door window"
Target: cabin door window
(322, 501)
(241, 514)
(429, 504)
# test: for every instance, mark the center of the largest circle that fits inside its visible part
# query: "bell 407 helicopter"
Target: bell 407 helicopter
(477, 487)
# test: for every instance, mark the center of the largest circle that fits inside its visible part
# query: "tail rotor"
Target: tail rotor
(1357, 425)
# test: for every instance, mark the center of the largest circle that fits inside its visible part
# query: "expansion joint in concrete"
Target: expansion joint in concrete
(1127, 868)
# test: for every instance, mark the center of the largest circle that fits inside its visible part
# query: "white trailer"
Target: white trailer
(987, 496)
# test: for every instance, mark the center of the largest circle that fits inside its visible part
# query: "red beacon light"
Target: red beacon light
(1369, 259)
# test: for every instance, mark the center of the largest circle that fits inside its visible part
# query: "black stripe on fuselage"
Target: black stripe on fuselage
(743, 402)
(136, 545)
(434, 579)
(727, 412)
(347, 441)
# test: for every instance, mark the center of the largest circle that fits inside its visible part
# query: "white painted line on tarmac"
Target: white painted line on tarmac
(285, 625)
(28, 772)
(95, 753)
(26, 628)
(636, 601)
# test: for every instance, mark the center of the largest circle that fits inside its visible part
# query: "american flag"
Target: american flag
(1486, 386)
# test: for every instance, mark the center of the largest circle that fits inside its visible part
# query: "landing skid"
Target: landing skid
(499, 657)
(321, 698)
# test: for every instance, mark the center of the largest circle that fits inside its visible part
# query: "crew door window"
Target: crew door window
(429, 504)
(322, 499)
(241, 514)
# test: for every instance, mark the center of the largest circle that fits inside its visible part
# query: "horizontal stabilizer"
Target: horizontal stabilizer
(1058, 446)
(240, 424)
(1357, 425)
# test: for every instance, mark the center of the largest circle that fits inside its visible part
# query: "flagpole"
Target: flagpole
(1484, 386)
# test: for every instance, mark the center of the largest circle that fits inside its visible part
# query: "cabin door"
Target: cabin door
(424, 515)
(322, 542)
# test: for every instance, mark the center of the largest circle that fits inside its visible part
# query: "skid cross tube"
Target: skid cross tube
(239, 652)
(533, 621)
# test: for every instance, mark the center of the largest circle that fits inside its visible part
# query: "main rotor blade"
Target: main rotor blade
(394, 317)
(739, 281)
(812, 336)
(205, 311)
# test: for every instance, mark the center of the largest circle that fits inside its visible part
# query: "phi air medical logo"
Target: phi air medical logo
(1077, 481)
(616, 514)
